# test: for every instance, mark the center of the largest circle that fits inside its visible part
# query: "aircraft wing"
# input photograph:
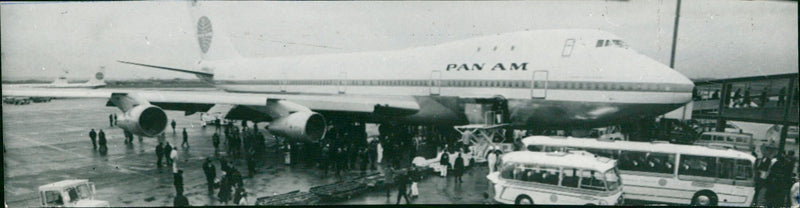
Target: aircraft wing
(247, 105)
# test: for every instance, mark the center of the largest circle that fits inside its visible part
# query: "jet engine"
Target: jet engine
(144, 120)
(303, 126)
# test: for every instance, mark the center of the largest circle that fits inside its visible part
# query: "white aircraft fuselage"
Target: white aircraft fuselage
(550, 78)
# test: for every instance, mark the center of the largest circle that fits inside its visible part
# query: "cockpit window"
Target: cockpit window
(614, 43)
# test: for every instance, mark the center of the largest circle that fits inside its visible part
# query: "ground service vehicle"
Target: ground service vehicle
(556, 178)
(70, 193)
(669, 173)
(738, 141)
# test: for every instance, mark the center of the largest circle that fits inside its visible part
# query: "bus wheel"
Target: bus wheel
(704, 198)
(522, 199)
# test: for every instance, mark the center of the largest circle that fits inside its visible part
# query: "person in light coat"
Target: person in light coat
(492, 160)
(173, 155)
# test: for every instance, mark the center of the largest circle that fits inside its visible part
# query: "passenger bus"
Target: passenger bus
(669, 173)
(556, 178)
(738, 141)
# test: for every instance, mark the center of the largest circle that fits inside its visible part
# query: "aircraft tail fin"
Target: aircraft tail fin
(212, 40)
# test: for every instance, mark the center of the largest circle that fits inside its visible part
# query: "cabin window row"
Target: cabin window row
(664, 163)
(482, 83)
(566, 177)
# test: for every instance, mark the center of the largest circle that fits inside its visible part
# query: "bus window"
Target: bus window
(726, 169)
(705, 137)
(691, 165)
(53, 198)
(741, 140)
(535, 148)
(592, 180)
(633, 160)
(550, 175)
(84, 191)
(518, 172)
(744, 170)
(507, 171)
(613, 180)
(73, 194)
(529, 175)
(570, 178)
(660, 163)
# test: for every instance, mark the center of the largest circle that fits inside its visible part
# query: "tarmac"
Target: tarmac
(48, 142)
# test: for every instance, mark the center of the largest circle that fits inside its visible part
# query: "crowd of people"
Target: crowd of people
(744, 99)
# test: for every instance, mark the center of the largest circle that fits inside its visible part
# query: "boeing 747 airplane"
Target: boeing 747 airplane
(535, 79)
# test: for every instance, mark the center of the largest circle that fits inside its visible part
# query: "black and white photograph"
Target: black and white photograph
(298, 103)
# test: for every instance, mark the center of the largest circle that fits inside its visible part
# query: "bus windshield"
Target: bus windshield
(613, 180)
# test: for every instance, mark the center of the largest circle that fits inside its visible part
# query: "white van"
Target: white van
(70, 193)
(569, 178)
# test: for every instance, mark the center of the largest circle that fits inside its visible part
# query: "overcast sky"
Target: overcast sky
(717, 39)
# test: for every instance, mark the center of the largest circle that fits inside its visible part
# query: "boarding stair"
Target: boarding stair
(486, 136)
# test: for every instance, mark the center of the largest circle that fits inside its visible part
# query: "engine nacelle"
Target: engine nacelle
(304, 126)
(144, 120)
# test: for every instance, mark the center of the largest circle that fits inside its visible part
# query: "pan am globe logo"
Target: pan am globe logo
(98, 75)
(204, 33)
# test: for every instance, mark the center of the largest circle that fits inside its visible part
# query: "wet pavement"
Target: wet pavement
(48, 142)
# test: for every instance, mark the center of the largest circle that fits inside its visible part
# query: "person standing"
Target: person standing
(379, 151)
(415, 178)
(762, 166)
(747, 97)
(444, 161)
(168, 153)
(323, 160)
(173, 156)
(110, 120)
(215, 141)
(491, 160)
(218, 125)
(372, 152)
(211, 173)
(102, 141)
(185, 139)
(251, 162)
(115, 119)
(458, 168)
(159, 154)
(93, 136)
(774, 184)
(339, 162)
(364, 159)
(224, 187)
(388, 178)
(173, 126)
(402, 187)
(177, 179)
